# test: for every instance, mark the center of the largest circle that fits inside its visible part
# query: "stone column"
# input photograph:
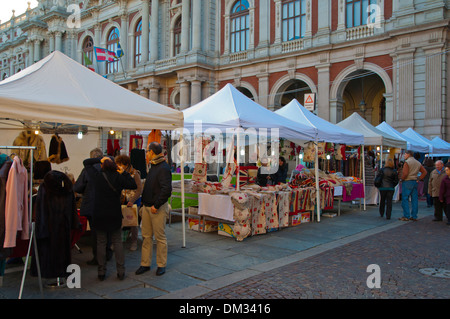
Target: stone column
(404, 81)
(323, 94)
(185, 96)
(263, 90)
(154, 94)
(37, 50)
(124, 41)
(196, 91)
(185, 26)
(154, 31)
(434, 70)
(143, 91)
(58, 41)
(196, 25)
(51, 41)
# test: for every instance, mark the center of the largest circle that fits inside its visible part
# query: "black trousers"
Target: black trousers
(439, 208)
(386, 201)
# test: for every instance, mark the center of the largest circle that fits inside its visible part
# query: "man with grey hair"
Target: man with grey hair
(410, 176)
(434, 185)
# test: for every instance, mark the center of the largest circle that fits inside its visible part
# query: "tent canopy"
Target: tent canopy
(434, 148)
(229, 109)
(441, 143)
(326, 131)
(372, 135)
(412, 144)
(59, 89)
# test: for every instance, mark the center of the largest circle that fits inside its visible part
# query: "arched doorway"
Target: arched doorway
(246, 92)
(363, 92)
(292, 89)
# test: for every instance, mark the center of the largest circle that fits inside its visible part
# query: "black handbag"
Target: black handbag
(378, 179)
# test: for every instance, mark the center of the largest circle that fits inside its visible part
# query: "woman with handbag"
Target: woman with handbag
(387, 187)
(107, 217)
(131, 197)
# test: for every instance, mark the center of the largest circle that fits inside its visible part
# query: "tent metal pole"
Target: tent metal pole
(316, 170)
(238, 153)
(182, 190)
(364, 175)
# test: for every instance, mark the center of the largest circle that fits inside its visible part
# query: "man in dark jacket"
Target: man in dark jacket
(155, 195)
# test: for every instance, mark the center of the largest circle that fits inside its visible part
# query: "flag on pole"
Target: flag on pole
(88, 62)
(103, 55)
(119, 51)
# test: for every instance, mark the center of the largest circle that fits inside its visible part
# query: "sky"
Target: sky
(6, 7)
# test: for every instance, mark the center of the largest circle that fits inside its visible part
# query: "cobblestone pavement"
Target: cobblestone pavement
(402, 253)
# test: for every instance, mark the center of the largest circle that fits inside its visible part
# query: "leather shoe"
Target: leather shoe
(141, 270)
(121, 276)
(160, 271)
(101, 277)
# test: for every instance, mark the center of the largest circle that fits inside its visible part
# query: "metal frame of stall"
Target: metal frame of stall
(32, 223)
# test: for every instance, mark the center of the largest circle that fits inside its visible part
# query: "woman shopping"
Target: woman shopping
(107, 216)
(388, 182)
(131, 196)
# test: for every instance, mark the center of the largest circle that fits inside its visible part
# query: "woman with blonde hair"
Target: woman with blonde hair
(387, 188)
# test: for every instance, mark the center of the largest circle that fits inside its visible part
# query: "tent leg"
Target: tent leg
(182, 191)
(316, 170)
(364, 175)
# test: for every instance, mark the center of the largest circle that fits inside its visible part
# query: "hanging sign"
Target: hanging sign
(310, 101)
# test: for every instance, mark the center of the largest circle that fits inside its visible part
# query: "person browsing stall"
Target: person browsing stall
(107, 217)
(155, 195)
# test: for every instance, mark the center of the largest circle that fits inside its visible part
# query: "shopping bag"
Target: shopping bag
(130, 216)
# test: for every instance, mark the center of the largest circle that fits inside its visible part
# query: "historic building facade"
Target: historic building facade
(386, 59)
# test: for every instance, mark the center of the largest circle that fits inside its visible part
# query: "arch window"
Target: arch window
(112, 45)
(177, 37)
(138, 43)
(293, 19)
(357, 12)
(240, 26)
(88, 49)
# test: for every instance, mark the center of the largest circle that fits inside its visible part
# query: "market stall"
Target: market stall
(231, 113)
(411, 143)
(326, 132)
(372, 137)
(57, 89)
(441, 144)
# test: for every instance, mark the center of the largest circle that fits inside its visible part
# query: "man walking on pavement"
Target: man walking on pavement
(434, 185)
(155, 195)
(410, 173)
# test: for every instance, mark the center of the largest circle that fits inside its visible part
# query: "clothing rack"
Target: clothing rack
(32, 230)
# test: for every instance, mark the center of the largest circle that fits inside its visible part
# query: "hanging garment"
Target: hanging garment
(138, 161)
(57, 152)
(28, 138)
(4, 170)
(154, 136)
(16, 205)
(56, 217)
(136, 141)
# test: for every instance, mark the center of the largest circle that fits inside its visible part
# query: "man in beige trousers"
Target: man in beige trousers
(155, 195)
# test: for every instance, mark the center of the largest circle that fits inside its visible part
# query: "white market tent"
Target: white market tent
(372, 135)
(440, 142)
(435, 149)
(412, 144)
(229, 109)
(326, 131)
(60, 90)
